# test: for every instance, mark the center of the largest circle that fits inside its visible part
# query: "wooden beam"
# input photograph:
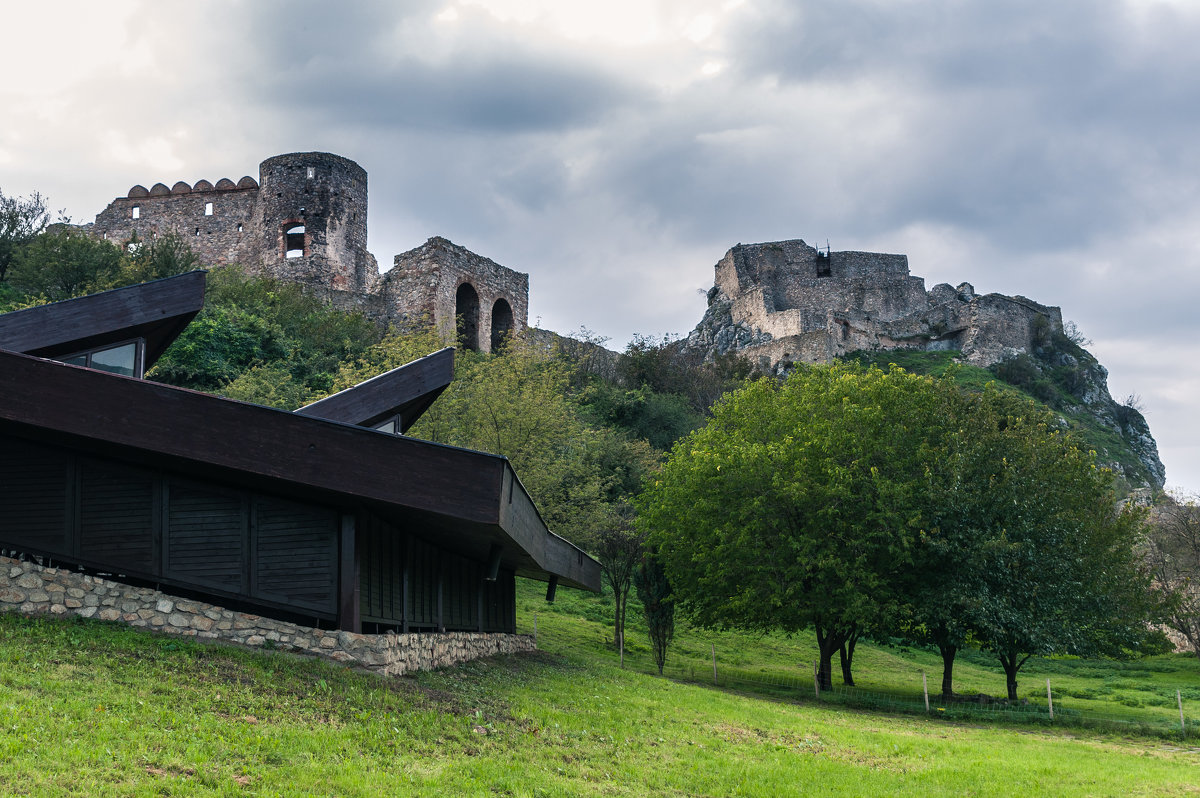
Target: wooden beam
(349, 619)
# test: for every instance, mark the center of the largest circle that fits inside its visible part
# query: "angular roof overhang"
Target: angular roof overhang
(157, 311)
(407, 391)
(459, 499)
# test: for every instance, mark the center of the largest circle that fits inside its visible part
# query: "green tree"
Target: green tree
(65, 262)
(797, 505)
(1173, 552)
(658, 605)
(21, 221)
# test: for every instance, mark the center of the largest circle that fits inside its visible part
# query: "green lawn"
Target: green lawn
(88, 708)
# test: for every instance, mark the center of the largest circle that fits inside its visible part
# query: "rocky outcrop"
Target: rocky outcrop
(785, 302)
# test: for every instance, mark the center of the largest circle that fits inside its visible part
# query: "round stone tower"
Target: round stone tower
(311, 217)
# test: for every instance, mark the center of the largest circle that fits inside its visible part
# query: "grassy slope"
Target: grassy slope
(89, 708)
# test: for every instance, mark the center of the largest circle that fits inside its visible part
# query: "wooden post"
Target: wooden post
(1182, 726)
(348, 609)
(925, 688)
(1049, 699)
(714, 655)
(817, 679)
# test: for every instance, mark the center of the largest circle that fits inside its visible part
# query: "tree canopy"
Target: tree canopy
(847, 498)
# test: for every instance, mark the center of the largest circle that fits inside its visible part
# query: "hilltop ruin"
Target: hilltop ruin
(305, 220)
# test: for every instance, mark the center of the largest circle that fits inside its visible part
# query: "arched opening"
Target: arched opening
(293, 241)
(466, 314)
(502, 323)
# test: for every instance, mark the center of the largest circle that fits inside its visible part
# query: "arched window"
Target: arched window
(294, 241)
(502, 323)
(466, 314)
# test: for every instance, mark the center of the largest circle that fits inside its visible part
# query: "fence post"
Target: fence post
(817, 680)
(1049, 699)
(714, 655)
(925, 688)
(1182, 726)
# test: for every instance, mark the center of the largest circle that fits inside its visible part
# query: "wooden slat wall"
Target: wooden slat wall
(116, 515)
(207, 531)
(423, 567)
(381, 572)
(175, 531)
(33, 496)
(296, 553)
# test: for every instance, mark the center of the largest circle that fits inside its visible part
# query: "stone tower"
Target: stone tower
(311, 221)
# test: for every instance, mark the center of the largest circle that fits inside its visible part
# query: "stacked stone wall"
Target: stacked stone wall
(224, 237)
(424, 283)
(32, 589)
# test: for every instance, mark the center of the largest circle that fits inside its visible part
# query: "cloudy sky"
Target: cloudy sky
(615, 150)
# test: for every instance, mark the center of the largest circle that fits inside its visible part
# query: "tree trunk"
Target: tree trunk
(948, 654)
(828, 641)
(847, 656)
(1012, 663)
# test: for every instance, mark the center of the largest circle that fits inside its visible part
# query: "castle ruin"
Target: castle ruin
(305, 220)
(785, 301)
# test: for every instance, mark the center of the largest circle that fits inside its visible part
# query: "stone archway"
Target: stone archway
(466, 316)
(502, 323)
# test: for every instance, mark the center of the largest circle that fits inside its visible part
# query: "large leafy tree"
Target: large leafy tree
(846, 499)
(797, 506)
(21, 220)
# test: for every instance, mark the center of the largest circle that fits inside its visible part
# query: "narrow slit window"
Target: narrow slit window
(293, 241)
(239, 228)
(311, 173)
(208, 209)
(197, 231)
(137, 211)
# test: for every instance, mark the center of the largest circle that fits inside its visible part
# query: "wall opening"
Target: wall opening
(208, 209)
(293, 241)
(502, 324)
(137, 211)
(466, 314)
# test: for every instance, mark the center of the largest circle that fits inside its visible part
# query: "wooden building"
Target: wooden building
(327, 516)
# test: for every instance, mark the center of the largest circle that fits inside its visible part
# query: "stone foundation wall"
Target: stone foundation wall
(33, 589)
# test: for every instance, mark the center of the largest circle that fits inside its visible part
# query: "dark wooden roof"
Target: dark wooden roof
(157, 311)
(462, 500)
(408, 391)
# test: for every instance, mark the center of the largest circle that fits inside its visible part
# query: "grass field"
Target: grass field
(88, 708)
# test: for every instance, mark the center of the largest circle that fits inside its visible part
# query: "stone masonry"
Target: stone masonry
(32, 589)
(784, 302)
(305, 220)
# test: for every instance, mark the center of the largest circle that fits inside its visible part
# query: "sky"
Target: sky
(616, 150)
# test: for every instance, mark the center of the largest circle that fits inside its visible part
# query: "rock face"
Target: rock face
(785, 302)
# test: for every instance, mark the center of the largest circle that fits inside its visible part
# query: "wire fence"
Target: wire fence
(799, 683)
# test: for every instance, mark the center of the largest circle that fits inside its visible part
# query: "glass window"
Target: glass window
(78, 360)
(388, 426)
(117, 360)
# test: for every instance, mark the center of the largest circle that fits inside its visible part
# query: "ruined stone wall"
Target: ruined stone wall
(32, 589)
(322, 199)
(425, 283)
(224, 236)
